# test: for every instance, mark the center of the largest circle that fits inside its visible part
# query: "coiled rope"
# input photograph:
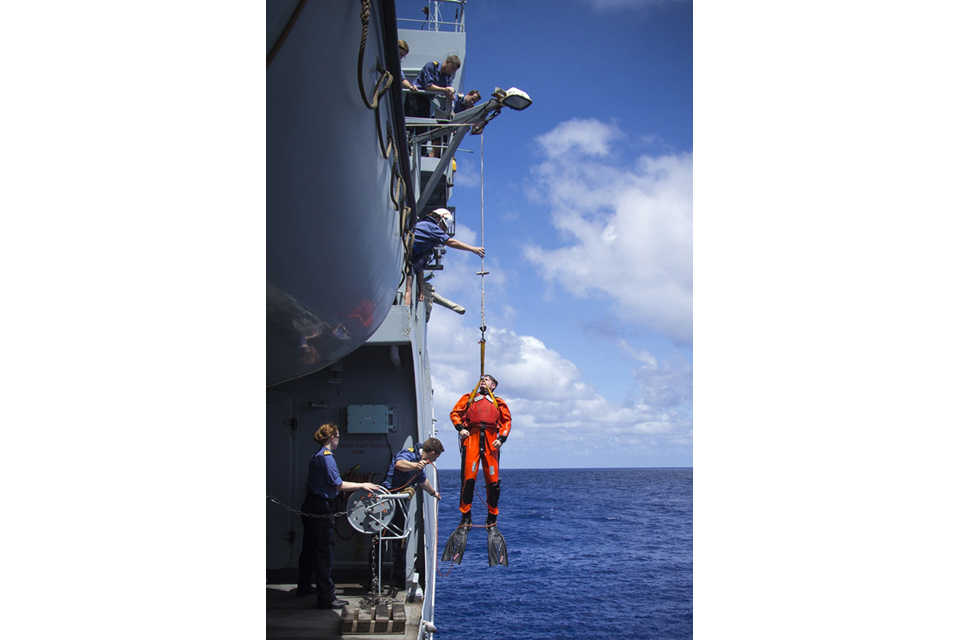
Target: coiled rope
(386, 78)
(398, 187)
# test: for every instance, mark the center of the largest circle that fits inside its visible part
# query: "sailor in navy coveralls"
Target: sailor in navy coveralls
(407, 469)
(433, 77)
(323, 483)
(427, 234)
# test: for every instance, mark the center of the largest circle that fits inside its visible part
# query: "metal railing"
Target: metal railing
(433, 20)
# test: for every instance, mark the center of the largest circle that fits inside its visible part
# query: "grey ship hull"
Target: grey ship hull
(333, 234)
(338, 348)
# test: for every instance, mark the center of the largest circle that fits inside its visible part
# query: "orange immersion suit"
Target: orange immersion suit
(487, 420)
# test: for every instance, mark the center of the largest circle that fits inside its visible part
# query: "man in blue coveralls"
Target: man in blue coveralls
(407, 469)
(432, 77)
(464, 102)
(430, 232)
(323, 483)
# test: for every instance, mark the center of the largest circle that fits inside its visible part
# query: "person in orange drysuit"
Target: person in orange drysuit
(483, 424)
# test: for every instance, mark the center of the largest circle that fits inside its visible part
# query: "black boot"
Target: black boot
(491, 519)
(466, 519)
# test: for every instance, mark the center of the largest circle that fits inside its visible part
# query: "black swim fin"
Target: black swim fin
(456, 544)
(496, 547)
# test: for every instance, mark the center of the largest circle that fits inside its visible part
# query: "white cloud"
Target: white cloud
(467, 173)
(630, 225)
(459, 280)
(586, 136)
(643, 355)
(464, 234)
(555, 412)
(665, 384)
(560, 419)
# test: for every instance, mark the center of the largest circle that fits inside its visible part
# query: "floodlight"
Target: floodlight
(513, 98)
(517, 99)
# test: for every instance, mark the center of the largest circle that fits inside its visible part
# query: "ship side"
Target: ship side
(348, 176)
(341, 346)
(334, 228)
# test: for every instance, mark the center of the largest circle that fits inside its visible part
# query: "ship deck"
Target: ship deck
(290, 617)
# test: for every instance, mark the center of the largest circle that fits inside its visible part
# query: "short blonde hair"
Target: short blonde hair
(403, 46)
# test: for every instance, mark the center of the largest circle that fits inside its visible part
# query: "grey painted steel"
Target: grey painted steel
(333, 245)
(334, 268)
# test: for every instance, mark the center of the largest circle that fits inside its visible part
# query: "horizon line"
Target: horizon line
(569, 468)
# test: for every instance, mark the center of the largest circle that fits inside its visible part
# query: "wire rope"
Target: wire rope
(483, 271)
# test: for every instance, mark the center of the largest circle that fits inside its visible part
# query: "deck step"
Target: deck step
(383, 618)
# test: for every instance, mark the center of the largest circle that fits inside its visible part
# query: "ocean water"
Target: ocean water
(595, 554)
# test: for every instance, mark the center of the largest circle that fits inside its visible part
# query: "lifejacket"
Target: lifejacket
(482, 412)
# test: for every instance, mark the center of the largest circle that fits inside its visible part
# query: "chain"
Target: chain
(389, 596)
(309, 515)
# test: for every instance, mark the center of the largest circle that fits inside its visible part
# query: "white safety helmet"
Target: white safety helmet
(443, 214)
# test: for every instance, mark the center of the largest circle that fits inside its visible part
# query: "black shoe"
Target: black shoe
(336, 604)
(303, 593)
(466, 519)
(491, 519)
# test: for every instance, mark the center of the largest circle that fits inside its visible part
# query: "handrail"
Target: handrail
(434, 22)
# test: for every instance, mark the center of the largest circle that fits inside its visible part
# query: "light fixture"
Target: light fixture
(513, 98)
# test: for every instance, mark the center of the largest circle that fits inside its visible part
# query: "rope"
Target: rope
(286, 32)
(483, 296)
(385, 76)
(309, 515)
(481, 273)
(384, 150)
(349, 536)
(398, 194)
(398, 191)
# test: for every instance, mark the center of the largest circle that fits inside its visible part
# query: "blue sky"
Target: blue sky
(588, 231)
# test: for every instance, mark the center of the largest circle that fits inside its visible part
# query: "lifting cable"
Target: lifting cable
(483, 343)
(483, 272)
